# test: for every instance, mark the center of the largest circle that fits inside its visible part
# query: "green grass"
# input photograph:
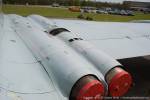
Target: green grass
(65, 13)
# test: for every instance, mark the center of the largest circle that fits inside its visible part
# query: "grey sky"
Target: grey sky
(123, 0)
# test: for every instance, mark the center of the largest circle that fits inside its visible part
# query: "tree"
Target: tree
(77, 2)
(69, 3)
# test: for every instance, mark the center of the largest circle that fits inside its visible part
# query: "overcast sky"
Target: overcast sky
(123, 0)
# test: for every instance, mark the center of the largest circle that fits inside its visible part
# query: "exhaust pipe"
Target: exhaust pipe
(118, 80)
(87, 87)
(72, 74)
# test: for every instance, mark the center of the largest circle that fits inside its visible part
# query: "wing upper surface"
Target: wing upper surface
(120, 40)
(22, 77)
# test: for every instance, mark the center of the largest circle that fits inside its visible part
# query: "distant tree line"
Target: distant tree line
(68, 3)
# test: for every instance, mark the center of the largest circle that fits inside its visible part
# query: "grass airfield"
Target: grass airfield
(52, 12)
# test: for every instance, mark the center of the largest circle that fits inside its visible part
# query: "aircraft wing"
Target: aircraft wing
(22, 77)
(25, 77)
(120, 40)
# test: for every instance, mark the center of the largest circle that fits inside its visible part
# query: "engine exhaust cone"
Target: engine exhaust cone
(119, 82)
(88, 88)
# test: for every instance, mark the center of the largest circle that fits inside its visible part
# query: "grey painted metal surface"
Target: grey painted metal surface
(119, 40)
(21, 76)
(102, 61)
(63, 64)
(99, 59)
(32, 63)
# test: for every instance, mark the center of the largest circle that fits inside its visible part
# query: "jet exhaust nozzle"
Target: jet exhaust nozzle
(87, 87)
(119, 82)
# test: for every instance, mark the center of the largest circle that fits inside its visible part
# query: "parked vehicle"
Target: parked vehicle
(123, 12)
(55, 5)
(101, 11)
(130, 13)
(89, 9)
(74, 9)
(146, 10)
